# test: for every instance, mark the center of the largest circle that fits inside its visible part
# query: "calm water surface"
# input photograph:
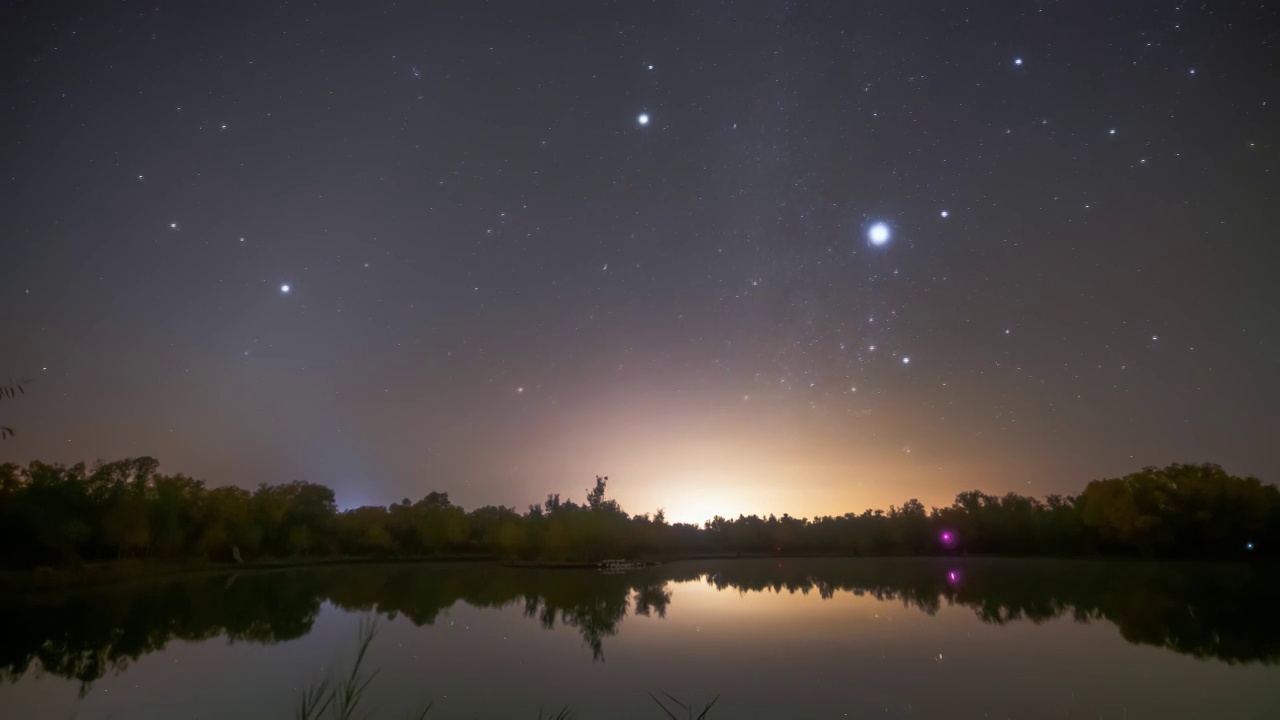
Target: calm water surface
(774, 638)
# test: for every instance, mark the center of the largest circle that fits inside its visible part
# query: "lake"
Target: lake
(773, 638)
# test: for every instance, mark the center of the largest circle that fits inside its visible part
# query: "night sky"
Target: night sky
(740, 257)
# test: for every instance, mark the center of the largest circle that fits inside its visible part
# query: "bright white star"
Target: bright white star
(944, 214)
(1017, 61)
(284, 289)
(906, 361)
(878, 234)
(643, 119)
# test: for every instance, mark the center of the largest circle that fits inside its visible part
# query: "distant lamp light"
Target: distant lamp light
(948, 538)
(878, 234)
(1248, 546)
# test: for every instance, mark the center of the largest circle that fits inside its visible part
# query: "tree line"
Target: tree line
(53, 514)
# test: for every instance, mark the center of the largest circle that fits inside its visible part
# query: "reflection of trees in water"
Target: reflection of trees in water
(1223, 612)
(83, 636)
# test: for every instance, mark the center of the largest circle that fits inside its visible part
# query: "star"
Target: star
(173, 226)
(284, 289)
(1112, 131)
(906, 361)
(643, 119)
(519, 389)
(650, 67)
(878, 234)
(944, 214)
(1017, 61)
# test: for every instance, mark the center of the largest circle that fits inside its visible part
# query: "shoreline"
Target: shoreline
(125, 571)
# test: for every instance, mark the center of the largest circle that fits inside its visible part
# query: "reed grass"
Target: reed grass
(343, 697)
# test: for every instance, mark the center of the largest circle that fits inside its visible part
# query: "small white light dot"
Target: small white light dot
(173, 226)
(1193, 71)
(139, 177)
(872, 348)
(1017, 61)
(643, 119)
(519, 389)
(1154, 337)
(878, 234)
(944, 214)
(650, 67)
(284, 289)
(906, 361)
(1112, 131)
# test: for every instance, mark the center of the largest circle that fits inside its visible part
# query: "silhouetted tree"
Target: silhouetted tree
(9, 391)
(56, 514)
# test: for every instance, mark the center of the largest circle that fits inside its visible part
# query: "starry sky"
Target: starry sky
(803, 257)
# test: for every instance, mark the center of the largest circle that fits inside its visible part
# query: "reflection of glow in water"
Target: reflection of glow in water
(953, 577)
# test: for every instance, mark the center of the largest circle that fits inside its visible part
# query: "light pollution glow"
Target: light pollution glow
(698, 461)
